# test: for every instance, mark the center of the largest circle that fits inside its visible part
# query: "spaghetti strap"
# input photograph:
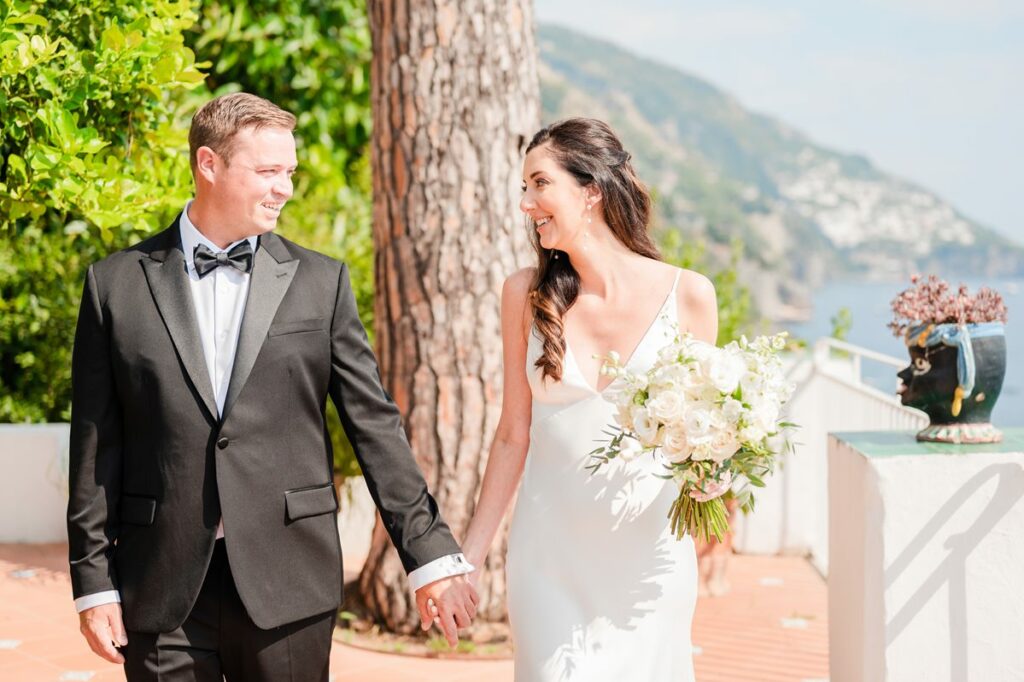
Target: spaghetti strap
(673, 299)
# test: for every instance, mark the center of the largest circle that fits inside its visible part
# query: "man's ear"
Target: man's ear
(206, 163)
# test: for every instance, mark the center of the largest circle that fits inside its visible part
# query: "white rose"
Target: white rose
(638, 412)
(765, 415)
(708, 393)
(780, 388)
(701, 452)
(732, 409)
(646, 428)
(723, 446)
(752, 433)
(725, 371)
(699, 420)
(667, 405)
(701, 351)
(674, 446)
(694, 381)
(668, 377)
(752, 384)
(668, 354)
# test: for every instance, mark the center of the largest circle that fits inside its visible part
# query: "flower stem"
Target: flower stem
(700, 520)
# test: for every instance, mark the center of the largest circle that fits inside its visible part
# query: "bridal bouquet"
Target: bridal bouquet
(713, 414)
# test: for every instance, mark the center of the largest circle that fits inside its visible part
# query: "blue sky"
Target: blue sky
(930, 90)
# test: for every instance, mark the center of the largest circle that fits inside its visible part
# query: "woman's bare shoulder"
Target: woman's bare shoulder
(519, 282)
(695, 289)
(698, 305)
(515, 296)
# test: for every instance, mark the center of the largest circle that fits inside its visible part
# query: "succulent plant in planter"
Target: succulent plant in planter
(957, 348)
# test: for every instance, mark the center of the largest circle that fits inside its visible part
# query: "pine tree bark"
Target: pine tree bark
(455, 99)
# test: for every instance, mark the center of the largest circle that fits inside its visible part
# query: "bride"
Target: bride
(599, 589)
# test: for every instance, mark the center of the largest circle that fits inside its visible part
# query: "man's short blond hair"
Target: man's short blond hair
(219, 120)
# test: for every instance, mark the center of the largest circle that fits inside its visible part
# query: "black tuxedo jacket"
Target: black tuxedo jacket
(153, 469)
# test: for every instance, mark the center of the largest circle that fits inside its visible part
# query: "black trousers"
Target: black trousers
(219, 641)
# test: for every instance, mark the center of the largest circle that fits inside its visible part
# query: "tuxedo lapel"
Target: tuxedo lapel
(168, 282)
(272, 273)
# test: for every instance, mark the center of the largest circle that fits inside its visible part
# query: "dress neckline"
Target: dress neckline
(657, 316)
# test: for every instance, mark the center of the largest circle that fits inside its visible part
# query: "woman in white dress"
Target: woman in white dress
(599, 589)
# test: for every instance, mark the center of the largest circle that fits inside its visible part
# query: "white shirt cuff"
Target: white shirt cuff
(444, 567)
(97, 599)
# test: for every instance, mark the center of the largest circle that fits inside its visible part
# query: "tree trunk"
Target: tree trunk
(455, 100)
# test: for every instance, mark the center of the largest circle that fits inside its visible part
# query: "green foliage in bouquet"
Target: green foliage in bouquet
(703, 520)
(713, 413)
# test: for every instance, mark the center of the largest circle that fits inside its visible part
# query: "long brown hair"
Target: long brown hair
(591, 152)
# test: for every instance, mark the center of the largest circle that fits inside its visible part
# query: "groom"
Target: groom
(202, 519)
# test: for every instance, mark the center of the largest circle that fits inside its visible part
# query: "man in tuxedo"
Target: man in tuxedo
(202, 519)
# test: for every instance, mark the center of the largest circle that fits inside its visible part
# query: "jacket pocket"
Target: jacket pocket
(137, 510)
(297, 326)
(310, 501)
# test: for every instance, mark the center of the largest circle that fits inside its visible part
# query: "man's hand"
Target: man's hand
(103, 629)
(450, 602)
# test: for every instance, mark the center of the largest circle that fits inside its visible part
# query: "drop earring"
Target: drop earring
(586, 232)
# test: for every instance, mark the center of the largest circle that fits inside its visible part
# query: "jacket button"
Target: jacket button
(222, 442)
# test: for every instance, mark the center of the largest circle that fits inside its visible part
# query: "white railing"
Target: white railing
(825, 347)
(792, 512)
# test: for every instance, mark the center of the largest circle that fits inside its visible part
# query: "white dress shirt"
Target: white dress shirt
(219, 303)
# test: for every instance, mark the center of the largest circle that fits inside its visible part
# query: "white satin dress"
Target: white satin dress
(599, 589)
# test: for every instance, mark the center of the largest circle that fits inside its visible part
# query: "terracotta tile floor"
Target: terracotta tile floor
(772, 627)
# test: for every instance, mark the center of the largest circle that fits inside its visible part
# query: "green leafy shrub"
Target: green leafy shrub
(94, 156)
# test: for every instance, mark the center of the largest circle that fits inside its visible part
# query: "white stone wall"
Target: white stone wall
(34, 491)
(927, 578)
(33, 482)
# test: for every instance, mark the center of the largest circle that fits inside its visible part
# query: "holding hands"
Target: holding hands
(450, 603)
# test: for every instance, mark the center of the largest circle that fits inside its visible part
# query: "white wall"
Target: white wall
(34, 491)
(356, 516)
(928, 564)
(33, 482)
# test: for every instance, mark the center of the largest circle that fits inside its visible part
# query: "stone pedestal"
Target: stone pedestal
(926, 542)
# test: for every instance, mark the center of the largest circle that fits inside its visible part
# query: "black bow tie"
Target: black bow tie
(206, 261)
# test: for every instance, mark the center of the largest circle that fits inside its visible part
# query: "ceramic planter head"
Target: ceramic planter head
(955, 376)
